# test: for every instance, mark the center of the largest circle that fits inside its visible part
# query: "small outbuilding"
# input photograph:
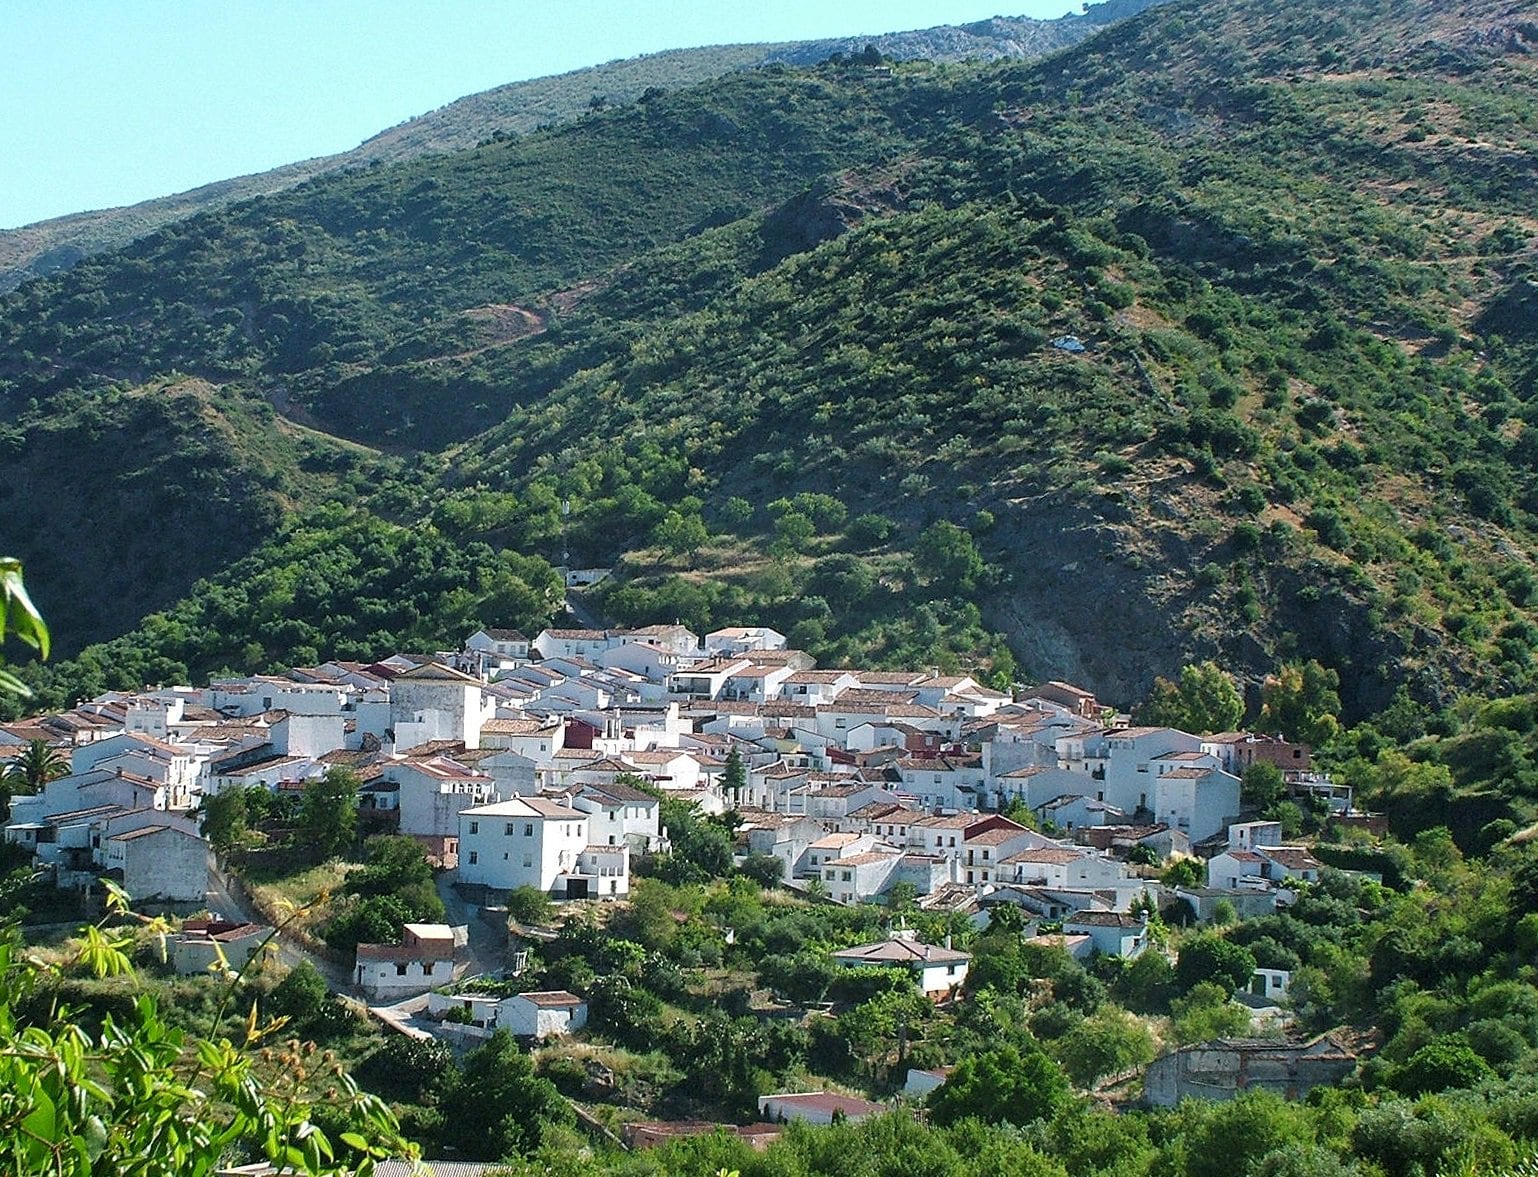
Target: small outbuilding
(542, 1015)
(1224, 1067)
(816, 1107)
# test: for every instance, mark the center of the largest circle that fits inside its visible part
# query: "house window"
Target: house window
(528, 829)
(474, 857)
(846, 876)
(507, 829)
(528, 860)
(475, 827)
(400, 970)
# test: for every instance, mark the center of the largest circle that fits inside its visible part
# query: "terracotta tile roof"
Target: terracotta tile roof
(900, 952)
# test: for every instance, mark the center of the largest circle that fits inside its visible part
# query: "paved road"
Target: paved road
(231, 903)
(487, 941)
(583, 612)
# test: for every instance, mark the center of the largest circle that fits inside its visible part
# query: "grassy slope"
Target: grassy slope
(519, 108)
(1282, 230)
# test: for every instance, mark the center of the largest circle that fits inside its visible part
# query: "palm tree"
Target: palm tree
(28, 773)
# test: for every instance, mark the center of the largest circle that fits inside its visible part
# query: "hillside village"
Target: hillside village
(543, 765)
(511, 762)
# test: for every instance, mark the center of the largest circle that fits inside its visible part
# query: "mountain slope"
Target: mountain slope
(1210, 337)
(521, 107)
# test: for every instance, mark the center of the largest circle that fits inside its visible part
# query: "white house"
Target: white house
(742, 638)
(1261, 867)
(433, 792)
(619, 815)
(1236, 868)
(422, 960)
(854, 878)
(175, 766)
(535, 739)
(206, 943)
(159, 863)
(921, 1082)
(1199, 801)
(577, 643)
(936, 970)
(436, 702)
(1112, 933)
(816, 1107)
(543, 1014)
(499, 646)
(522, 842)
(1063, 867)
(814, 687)
(1249, 834)
(1072, 811)
(534, 842)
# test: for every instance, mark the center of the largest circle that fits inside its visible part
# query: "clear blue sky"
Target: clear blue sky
(109, 102)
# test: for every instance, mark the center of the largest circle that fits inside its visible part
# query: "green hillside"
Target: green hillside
(1211, 337)
(520, 107)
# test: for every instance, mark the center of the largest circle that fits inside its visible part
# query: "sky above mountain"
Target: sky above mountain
(113, 104)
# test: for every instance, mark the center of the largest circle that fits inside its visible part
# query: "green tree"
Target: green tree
(19, 619)
(792, 532)
(1262, 785)
(35, 767)
(1204, 700)
(143, 1097)
(392, 863)
(1301, 702)
(529, 905)
(328, 812)
(765, 869)
(1206, 956)
(945, 556)
(734, 777)
(1106, 1043)
(681, 534)
(1001, 1086)
(502, 1109)
(1441, 1065)
(301, 994)
(882, 1027)
(702, 847)
(28, 773)
(1206, 1012)
(868, 531)
(226, 819)
(736, 513)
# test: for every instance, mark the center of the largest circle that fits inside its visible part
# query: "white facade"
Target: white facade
(524, 842)
(435, 702)
(542, 1015)
(159, 863)
(423, 960)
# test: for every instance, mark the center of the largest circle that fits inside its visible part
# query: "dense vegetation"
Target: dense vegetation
(708, 990)
(816, 361)
(522, 107)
